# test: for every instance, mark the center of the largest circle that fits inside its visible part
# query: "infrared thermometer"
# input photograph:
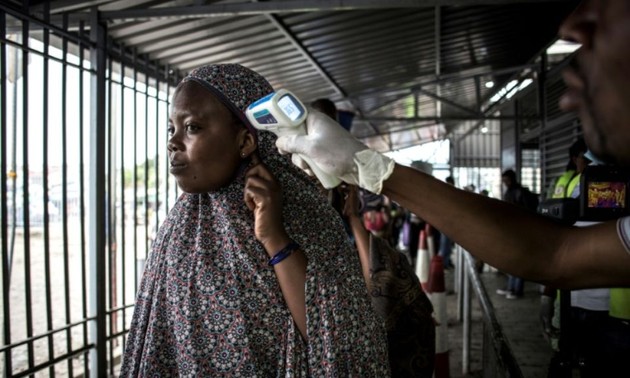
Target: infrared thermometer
(283, 114)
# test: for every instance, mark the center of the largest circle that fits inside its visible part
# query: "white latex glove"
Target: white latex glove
(337, 153)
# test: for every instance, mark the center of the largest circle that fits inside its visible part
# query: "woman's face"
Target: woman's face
(205, 142)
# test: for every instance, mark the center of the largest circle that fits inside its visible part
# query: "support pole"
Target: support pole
(97, 198)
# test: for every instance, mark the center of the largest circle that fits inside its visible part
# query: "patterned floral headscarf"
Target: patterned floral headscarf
(209, 304)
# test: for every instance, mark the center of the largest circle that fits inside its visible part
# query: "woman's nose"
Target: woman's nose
(173, 144)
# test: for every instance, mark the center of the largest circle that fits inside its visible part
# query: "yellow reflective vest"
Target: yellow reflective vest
(620, 303)
(566, 184)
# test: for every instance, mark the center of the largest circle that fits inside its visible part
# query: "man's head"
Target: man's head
(509, 178)
(599, 81)
(576, 153)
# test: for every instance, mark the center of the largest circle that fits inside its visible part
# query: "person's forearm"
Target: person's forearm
(505, 236)
(291, 274)
(499, 233)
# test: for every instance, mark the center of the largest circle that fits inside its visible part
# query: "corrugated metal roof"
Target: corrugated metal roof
(411, 73)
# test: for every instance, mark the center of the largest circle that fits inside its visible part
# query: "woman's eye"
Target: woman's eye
(191, 128)
(170, 130)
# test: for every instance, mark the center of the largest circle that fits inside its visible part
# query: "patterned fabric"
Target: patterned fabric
(407, 311)
(209, 305)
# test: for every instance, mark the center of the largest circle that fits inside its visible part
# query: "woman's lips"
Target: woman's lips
(177, 167)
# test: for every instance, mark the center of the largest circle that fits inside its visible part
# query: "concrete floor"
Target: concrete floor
(518, 318)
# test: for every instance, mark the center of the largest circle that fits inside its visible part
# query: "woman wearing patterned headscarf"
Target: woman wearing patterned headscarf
(251, 273)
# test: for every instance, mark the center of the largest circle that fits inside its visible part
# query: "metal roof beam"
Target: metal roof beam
(491, 108)
(447, 101)
(279, 24)
(452, 77)
(437, 119)
(271, 7)
(383, 133)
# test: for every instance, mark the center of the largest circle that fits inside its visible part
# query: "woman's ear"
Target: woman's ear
(247, 143)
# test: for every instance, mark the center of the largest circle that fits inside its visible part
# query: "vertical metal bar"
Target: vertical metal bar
(113, 219)
(466, 327)
(177, 186)
(146, 158)
(135, 170)
(438, 58)
(84, 265)
(15, 63)
(460, 284)
(47, 279)
(6, 279)
(64, 189)
(109, 237)
(542, 110)
(25, 192)
(97, 195)
(123, 233)
(166, 174)
(158, 129)
(482, 123)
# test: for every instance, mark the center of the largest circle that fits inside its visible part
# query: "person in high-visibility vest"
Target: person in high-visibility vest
(565, 184)
(564, 188)
(588, 310)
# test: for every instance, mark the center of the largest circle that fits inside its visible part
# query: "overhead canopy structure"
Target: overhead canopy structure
(85, 145)
(410, 71)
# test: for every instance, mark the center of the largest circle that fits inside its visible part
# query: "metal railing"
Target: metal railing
(497, 356)
(83, 182)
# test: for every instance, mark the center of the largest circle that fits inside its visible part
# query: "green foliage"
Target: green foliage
(141, 173)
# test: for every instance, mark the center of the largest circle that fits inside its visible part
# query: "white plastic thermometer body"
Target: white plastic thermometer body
(283, 114)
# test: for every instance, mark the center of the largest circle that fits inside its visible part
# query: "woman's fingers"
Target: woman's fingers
(259, 169)
(255, 196)
(263, 196)
(257, 188)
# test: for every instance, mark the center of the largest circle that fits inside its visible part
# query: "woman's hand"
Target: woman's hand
(263, 195)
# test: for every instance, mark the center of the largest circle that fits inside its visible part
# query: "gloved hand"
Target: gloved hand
(337, 153)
